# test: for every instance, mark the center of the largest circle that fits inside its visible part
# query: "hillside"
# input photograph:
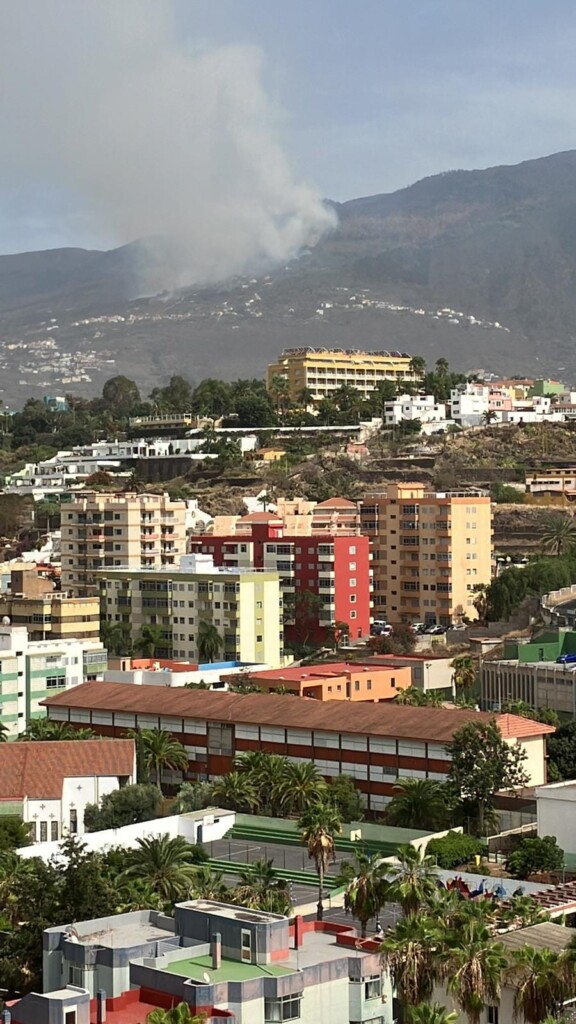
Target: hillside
(478, 266)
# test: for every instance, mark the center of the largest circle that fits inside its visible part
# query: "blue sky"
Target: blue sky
(366, 97)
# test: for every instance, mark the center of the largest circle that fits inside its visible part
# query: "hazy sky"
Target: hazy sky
(303, 99)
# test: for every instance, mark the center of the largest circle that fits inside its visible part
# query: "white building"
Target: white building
(469, 403)
(49, 785)
(556, 813)
(31, 670)
(414, 407)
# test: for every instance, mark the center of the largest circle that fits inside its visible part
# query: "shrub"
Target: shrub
(536, 855)
(454, 849)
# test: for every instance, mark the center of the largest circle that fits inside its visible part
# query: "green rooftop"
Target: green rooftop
(229, 970)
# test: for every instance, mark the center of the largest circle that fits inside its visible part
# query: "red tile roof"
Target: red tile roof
(394, 720)
(302, 673)
(38, 769)
(335, 503)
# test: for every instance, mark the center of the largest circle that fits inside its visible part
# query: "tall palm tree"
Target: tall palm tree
(160, 750)
(266, 773)
(167, 864)
(116, 637)
(305, 397)
(415, 882)
(302, 784)
(409, 954)
(418, 803)
(280, 391)
(236, 792)
(473, 965)
(150, 640)
(431, 1013)
(207, 884)
(541, 985)
(3, 732)
(464, 672)
(318, 825)
(209, 643)
(559, 533)
(366, 887)
(418, 366)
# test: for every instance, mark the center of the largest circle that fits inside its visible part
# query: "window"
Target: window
(73, 821)
(492, 1014)
(220, 739)
(352, 581)
(53, 830)
(259, 638)
(353, 615)
(285, 1008)
(55, 682)
(373, 987)
(43, 831)
(352, 549)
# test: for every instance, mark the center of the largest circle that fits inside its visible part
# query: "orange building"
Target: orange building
(337, 681)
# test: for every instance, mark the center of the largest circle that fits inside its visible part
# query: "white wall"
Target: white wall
(213, 822)
(556, 810)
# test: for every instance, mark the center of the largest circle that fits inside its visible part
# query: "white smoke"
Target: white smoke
(101, 100)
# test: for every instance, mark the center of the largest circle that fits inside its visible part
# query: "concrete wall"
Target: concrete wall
(211, 824)
(556, 813)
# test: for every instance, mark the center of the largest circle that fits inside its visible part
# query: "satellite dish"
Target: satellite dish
(207, 978)
(5, 620)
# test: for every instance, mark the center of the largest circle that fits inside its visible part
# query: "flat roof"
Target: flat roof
(195, 967)
(393, 720)
(540, 936)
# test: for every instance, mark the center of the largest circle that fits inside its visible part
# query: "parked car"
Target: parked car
(435, 630)
(418, 627)
(566, 659)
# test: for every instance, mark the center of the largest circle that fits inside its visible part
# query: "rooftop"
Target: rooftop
(196, 967)
(38, 770)
(540, 936)
(425, 723)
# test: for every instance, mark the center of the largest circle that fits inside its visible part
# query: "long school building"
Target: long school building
(376, 744)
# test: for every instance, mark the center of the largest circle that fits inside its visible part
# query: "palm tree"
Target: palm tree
(3, 732)
(409, 954)
(180, 1014)
(167, 864)
(45, 729)
(415, 883)
(464, 672)
(160, 750)
(150, 640)
(418, 803)
(305, 397)
(208, 884)
(418, 366)
(540, 982)
(302, 783)
(473, 965)
(209, 641)
(559, 533)
(319, 823)
(116, 637)
(280, 391)
(267, 773)
(260, 888)
(488, 417)
(431, 1013)
(366, 887)
(236, 792)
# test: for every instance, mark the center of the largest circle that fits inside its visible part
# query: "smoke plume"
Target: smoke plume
(153, 139)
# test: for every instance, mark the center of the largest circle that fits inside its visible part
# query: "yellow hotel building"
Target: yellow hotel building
(323, 370)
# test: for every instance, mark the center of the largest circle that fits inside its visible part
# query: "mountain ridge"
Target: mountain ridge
(497, 245)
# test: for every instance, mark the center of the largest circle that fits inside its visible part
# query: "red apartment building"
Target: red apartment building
(374, 743)
(333, 563)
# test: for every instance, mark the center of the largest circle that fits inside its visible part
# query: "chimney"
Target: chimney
(216, 950)
(100, 1006)
(298, 931)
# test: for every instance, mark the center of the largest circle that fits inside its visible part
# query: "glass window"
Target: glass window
(373, 987)
(285, 1008)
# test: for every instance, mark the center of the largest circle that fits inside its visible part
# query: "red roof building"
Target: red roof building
(374, 743)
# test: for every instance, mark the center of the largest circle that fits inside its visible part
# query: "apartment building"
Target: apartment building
(429, 550)
(245, 606)
(375, 743)
(100, 530)
(323, 564)
(31, 670)
(228, 964)
(560, 482)
(321, 371)
(540, 672)
(48, 614)
(469, 404)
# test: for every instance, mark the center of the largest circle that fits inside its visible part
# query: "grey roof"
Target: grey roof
(540, 936)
